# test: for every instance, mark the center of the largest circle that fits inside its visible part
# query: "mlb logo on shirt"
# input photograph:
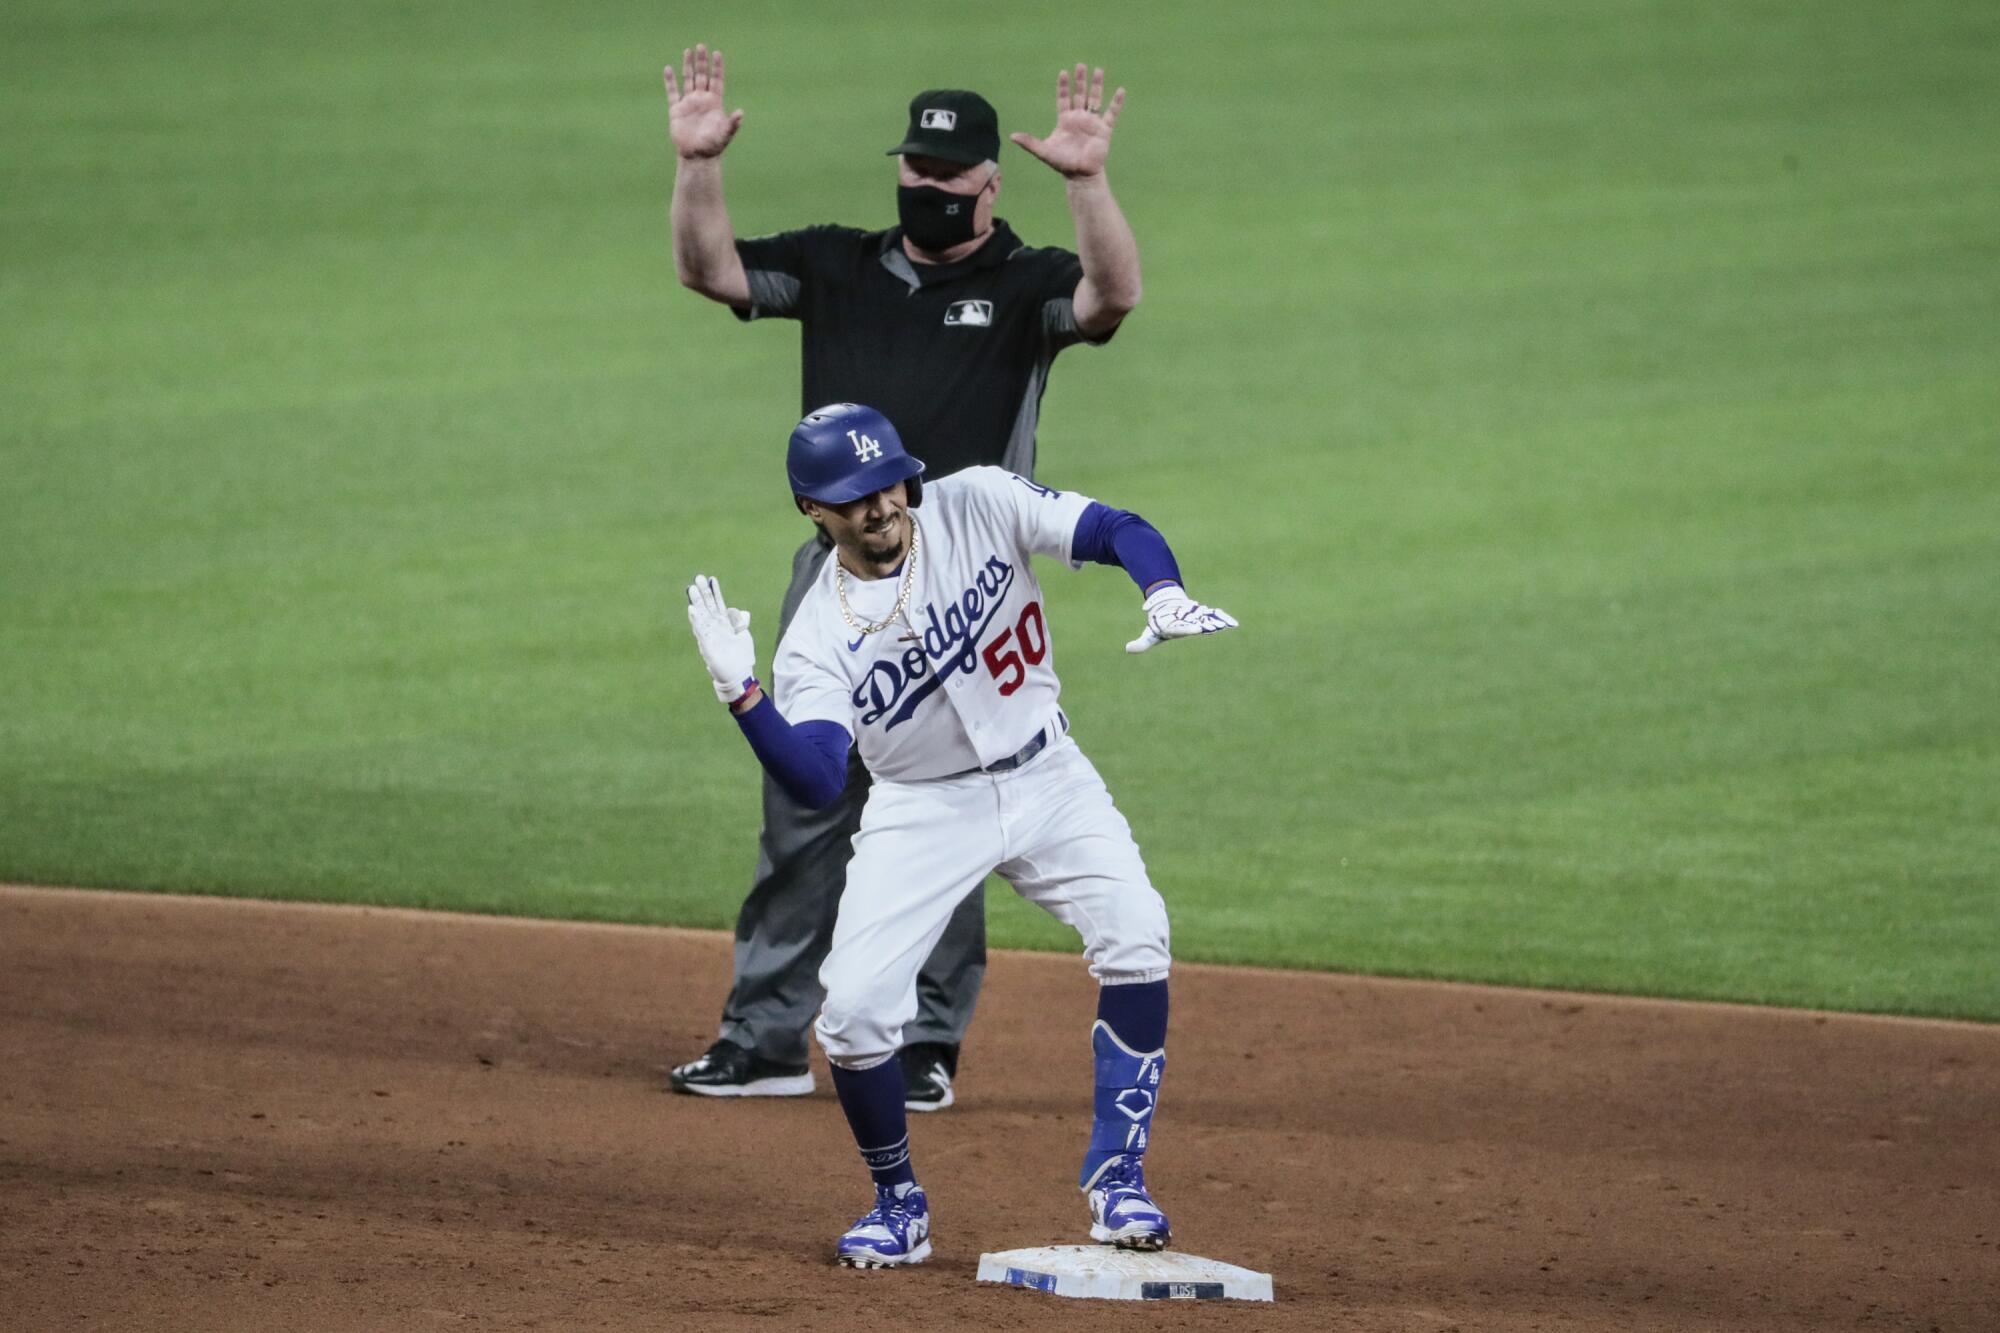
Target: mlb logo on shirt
(937, 118)
(968, 314)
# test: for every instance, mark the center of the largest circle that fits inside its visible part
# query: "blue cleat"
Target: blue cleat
(1121, 1212)
(896, 1231)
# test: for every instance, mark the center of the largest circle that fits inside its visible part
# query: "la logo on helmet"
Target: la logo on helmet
(865, 446)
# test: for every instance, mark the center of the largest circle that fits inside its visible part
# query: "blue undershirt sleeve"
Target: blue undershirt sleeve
(808, 760)
(1119, 537)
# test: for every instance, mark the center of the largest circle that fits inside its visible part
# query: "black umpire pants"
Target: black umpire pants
(786, 925)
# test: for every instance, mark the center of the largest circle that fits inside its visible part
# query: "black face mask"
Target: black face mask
(935, 219)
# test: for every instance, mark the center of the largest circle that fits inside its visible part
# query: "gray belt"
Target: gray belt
(1039, 743)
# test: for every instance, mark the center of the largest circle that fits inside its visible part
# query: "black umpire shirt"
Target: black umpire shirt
(956, 355)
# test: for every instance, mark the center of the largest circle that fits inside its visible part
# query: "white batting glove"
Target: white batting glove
(723, 635)
(1172, 614)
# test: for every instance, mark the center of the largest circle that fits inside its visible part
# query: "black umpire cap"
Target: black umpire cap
(953, 124)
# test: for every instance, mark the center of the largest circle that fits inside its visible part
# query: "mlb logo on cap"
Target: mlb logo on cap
(937, 118)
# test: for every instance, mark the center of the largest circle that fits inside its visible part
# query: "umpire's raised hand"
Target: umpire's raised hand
(1081, 140)
(701, 128)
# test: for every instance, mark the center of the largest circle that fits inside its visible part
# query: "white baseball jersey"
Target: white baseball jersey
(967, 676)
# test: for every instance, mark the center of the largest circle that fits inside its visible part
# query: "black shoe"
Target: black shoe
(727, 1070)
(928, 1067)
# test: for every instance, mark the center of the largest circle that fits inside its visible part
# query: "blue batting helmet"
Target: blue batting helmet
(844, 451)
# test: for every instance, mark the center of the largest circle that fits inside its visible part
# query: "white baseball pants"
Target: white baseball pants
(1049, 828)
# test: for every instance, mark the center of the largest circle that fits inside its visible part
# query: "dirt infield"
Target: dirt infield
(224, 1115)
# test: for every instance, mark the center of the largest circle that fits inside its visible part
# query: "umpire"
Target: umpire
(948, 324)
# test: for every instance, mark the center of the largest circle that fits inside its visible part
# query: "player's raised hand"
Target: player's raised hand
(1081, 140)
(722, 633)
(1172, 614)
(701, 128)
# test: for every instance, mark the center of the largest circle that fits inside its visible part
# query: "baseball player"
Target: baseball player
(950, 324)
(925, 643)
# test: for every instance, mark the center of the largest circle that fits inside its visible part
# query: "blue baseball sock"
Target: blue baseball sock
(873, 1100)
(1129, 1041)
(1138, 1014)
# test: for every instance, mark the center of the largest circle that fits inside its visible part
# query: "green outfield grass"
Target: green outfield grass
(1588, 409)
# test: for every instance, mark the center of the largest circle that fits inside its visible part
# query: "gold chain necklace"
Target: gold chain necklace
(902, 593)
